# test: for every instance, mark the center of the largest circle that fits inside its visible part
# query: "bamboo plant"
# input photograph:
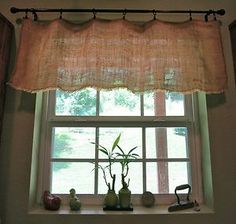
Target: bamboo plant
(125, 159)
(110, 154)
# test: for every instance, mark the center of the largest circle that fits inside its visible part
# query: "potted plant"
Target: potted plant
(111, 199)
(125, 159)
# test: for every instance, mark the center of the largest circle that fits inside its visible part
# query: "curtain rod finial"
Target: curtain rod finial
(220, 12)
(14, 10)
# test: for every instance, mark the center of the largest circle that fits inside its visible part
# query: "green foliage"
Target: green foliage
(125, 159)
(84, 103)
(124, 98)
(61, 145)
(173, 96)
(59, 165)
(109, 153)
(181, 131)
(61, 96)
(80, 103)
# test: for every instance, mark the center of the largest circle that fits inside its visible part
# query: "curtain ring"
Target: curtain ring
(124, 13)
(26, 15)
(206, 17)
(190, 15)
(154, 12)
(94, 13)
(35, 15)
(207, 14)
(60, 14)
(214, 16)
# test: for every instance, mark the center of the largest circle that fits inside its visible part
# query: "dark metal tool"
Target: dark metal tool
(181, 204)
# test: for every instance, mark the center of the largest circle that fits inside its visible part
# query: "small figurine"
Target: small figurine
(75, 203)
(50, 201)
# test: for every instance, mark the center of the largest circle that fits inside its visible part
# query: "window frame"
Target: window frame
(190, 120)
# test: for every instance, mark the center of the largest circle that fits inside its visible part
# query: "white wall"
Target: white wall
(15, 152)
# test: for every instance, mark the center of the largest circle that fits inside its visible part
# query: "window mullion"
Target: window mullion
(142, 104)
(144, 160)
(98, 103)
(96, 161)
(51, 114)
(97, 142)
(188, 107)
(143, 145)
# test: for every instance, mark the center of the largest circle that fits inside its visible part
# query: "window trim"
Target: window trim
(86, 121)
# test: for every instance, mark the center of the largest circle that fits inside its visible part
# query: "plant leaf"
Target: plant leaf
(99, 146)
(134, 155)
(116, 142)
(103, 151)
(121, 149)
(119, 154)
(131, 150)
(96, 166)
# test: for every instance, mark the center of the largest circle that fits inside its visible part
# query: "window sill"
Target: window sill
(138, 210)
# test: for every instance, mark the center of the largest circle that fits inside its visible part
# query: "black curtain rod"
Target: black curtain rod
(34, 11)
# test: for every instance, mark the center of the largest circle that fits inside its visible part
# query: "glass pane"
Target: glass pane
(67, 175)
(163, 104)
(163, 177)
(174, 104)
(152, 177)
(166, 142)
(130, 138)
(80, 103)
(135, 175)
(73, 142)
(178, 174)
(148, 103)
(136, 178)
(119, 102)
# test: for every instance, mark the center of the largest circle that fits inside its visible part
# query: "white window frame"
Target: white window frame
(190, 120)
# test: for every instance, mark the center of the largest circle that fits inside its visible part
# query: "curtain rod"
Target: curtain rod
(34, 11)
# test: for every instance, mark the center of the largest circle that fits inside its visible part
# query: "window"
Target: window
(162, 125)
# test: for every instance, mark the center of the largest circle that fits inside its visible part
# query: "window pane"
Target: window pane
(163, 177)
(80, 103)
(178, 174)
(152, 177)
(149, 109)
(135, 175)
(73, 142)
(136, 178)
(119, 102)
(67, 175)
(163, 104)
(166, 142)
(130, 137)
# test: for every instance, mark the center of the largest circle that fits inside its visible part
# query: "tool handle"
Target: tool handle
(182, 187)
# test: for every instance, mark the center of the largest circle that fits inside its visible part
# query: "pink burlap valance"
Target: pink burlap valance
(104, 54)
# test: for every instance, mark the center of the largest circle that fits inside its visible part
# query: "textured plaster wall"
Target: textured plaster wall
(16, 148)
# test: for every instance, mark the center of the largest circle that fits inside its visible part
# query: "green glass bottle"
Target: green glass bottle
(111, 199)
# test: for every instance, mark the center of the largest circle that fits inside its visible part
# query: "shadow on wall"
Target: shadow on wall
(214, 100)
(27, 102)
